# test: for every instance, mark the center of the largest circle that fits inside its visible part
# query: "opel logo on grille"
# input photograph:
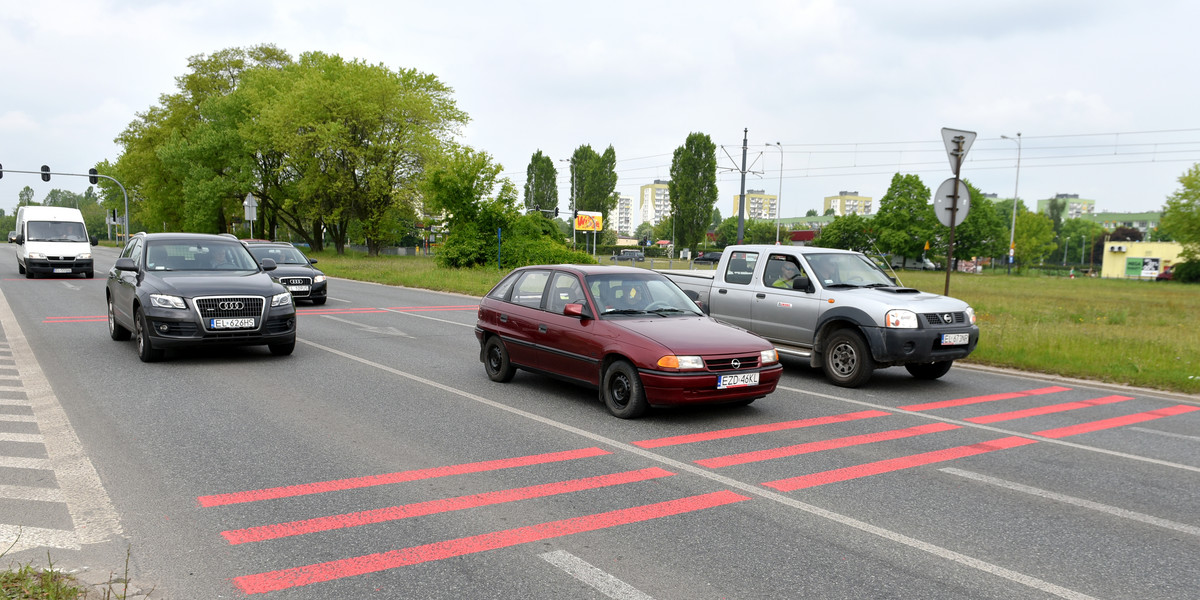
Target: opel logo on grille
(948, 317)
(231, 305)
(735, 363)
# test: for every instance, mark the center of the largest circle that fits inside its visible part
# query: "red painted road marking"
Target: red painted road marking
(86, 319)
(372, 563)
(753, 429)
(414, 475)
(418, 509)
(853, 440)
(895, 464)
(1046, 410)
(1062, 432)
(979, 399)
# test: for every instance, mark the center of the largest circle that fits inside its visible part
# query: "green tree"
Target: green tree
(465, 186)
(693, 189)
(812, 212)
(982, 232)
(644, 231)
(1055, 208)
(541, 184)
(1181, 214)
(848, 232)
(716, 219)
(1035, 239)
(25, 196)
(1082, 238)
(593, 181)
(905, 220)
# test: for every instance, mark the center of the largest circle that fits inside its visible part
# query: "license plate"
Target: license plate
(231, 323)
(297, 288)
(60, 270)
(955, 339)
(739, 380)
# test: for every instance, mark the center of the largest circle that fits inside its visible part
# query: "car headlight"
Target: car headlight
(900, 319)
(85, 255)
(36, 255)
(318, 279)
(971, 315)
(681, 362)
(767, 357)
(283, 299)
(165, 301)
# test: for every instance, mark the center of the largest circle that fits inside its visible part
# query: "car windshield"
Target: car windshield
(846, 270)
(185, 255)
(282, 255)
(55, 231)
(639, 294)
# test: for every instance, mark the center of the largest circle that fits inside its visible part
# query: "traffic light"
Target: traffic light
(1, 171)
(92, 179)
(556, 211)
(45, 173)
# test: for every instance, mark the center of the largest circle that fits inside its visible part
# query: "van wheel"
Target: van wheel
(622, 391)
(20, 268)
(929, 370)
(115, 331)
(847, 359)
(145, 348)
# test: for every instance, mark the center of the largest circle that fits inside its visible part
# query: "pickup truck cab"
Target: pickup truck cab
(834, 308)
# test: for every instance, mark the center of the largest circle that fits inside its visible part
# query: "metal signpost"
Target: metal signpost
(958, 143)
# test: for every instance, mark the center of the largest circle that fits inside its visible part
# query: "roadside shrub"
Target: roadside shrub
(539, 251)
(1186, 272)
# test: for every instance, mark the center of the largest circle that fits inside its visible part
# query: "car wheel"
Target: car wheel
(929, 370)
(115, 330)
(318, 301)
(90, 274)
(145, 348)
(20, 268)
(282, 349)
(622, 391)
(495, 361)
(847, 360)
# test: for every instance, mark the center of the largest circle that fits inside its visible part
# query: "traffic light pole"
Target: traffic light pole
(93, 178)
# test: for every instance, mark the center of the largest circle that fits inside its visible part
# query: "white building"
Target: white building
(623, 223)
(655, 202)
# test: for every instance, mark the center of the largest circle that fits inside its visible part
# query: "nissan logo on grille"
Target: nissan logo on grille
(949, 318)
(735, 363)
(231, 305)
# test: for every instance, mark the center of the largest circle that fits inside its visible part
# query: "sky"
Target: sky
(1095, 97)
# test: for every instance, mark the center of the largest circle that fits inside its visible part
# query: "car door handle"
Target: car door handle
(541, 328)
(503, 318)
(721, 291)
(760, 295)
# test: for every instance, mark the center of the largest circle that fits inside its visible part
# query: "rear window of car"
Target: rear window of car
(529, 288)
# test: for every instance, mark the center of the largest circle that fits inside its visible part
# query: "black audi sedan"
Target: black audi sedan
(293, 269)
(170, 290)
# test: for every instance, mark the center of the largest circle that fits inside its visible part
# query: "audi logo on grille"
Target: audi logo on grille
(735, 363)
(231, 305)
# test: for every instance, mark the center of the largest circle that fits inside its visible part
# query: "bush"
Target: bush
(539, 251)
(1186, 272)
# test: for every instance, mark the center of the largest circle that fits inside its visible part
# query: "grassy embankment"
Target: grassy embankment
(1139, 333)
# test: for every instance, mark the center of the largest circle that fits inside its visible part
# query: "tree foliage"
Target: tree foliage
(693, 189)
(1035, 239)
(541, 183)
(1181, 214)
(465, 186)
(593, 183)
(848, 232)
(982, 232)
(905, 220)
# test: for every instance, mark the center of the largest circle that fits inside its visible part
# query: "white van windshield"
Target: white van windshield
(55, 231)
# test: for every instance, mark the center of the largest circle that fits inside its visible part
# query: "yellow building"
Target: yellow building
(759, 205)
(847, 203)
(1138, 260)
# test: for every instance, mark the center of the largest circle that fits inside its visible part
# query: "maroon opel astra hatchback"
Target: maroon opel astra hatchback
(630, 333)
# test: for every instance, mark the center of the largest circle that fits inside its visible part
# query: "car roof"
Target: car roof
(591, 269)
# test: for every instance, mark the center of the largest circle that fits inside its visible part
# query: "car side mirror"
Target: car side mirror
(95, 241)
(801, 282)
(312, 261)
(20, 239)
(268, 264)
(578, 310)
(125, 264)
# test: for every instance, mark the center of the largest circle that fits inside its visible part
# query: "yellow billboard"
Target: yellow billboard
(589, 221)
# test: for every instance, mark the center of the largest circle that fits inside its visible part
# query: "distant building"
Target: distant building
(1147, 222)
(623, 219)
(847, 203)
(759, 205)
(655, 202)
(1076, 207)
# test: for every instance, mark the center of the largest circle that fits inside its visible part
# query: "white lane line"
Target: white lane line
(92, 511)
(18, 418)
(1096, 506)
(899, 538)
(1029, 436)
(603, 582)
(413, 314)
(22, 437)
(368, 328)
(28, 492)
(1167, 433)
(16, 462)
(38, 537)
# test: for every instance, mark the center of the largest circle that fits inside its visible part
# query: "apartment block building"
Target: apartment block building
(655, 202)
(849, 203)
(759, 205)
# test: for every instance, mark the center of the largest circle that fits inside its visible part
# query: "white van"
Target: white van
(903, 262)
(53, 240)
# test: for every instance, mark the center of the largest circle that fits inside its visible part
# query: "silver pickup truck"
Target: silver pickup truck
(835, 308)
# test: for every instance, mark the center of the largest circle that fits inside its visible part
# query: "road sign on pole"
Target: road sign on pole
(948, 208)
(957, 153)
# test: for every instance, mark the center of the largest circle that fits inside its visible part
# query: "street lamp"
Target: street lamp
(574, 207)
(1012, 232)
(779, 196)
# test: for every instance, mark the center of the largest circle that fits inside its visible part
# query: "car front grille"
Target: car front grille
(727, 364)
(291, 281)
(230, 307)
(939, 319)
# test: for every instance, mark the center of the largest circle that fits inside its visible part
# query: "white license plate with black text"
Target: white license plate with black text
(62, 270)
(739, 380)
(231, 323)
(955, 339)
(297, 288)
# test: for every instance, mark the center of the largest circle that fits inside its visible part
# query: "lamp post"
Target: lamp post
(779, 196)
(1012, 232)
(574, 207)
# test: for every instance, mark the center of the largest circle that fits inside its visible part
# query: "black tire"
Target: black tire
(318, 301)
(622, 391)
(20, 268)
(145, 347)
(847, 359)
(929, 370)
(30, 274)
(284, 349)
(495, 361)
(115, 330)
(90, 274)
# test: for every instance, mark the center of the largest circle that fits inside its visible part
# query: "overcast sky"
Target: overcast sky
(1103, 92)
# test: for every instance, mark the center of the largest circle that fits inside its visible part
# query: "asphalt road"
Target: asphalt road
(378, 461)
